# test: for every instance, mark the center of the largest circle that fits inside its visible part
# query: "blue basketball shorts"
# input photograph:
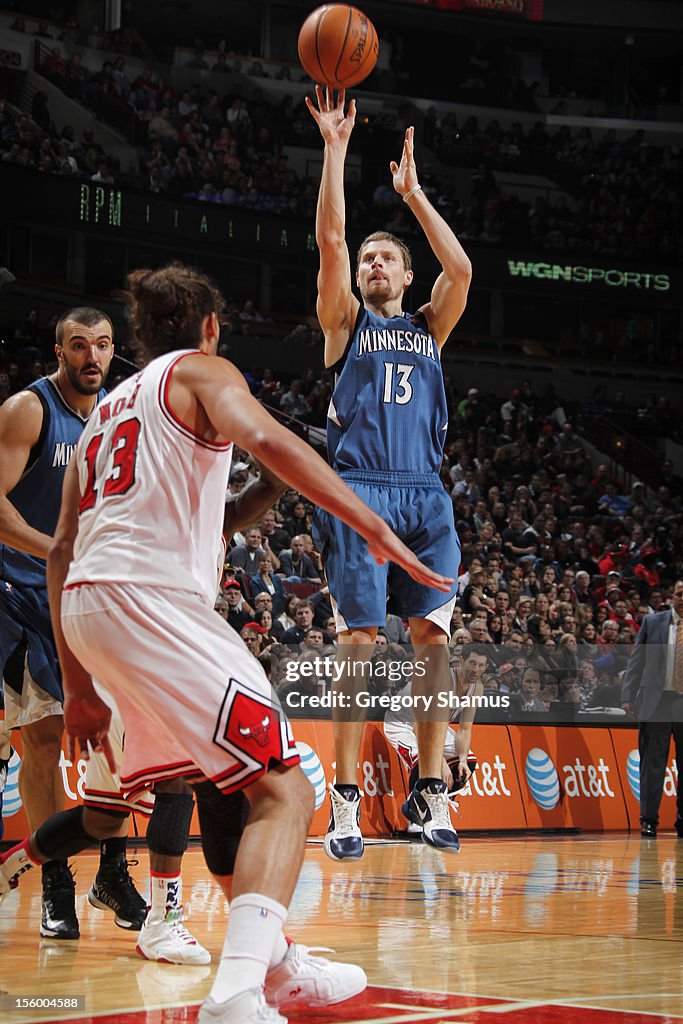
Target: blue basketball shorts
(32, 686)
(420, 512)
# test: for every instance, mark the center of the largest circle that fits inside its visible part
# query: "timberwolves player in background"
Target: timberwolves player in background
(386, 430)
(39, 430)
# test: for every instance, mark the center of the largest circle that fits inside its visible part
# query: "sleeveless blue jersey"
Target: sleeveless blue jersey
(388, 410)
(38, 494)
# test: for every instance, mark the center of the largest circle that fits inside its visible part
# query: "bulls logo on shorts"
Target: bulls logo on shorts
(257, 731)
(253, 729)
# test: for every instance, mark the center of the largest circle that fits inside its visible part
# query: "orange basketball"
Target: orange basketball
(338, 45)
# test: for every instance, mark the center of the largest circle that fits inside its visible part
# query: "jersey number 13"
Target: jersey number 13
(397, 391)
(124, 449)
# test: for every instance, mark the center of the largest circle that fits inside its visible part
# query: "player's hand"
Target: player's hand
(386, 547)
(87, 719)
(446, 775)
(463, 770)
(335, 125)
(405, 173)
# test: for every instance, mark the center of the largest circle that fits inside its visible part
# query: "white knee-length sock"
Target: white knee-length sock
(254, 926)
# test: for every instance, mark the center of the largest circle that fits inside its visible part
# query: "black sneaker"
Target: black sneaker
(113, 889)
(58, 920)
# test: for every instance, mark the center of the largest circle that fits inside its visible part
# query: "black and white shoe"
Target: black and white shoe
(58, 919)
(429, 806)
(113, 889)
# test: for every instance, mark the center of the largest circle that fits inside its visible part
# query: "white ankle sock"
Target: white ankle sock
(167, 894)
(279, 951)
(255, 922)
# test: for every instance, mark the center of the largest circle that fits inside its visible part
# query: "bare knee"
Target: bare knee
(359, 637)
(305, 794)
(104, 826)
(42, 741)
(284, 789)
(424, 631)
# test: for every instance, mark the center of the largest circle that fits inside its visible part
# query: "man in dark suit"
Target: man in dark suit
(527, 699)
(653, 690)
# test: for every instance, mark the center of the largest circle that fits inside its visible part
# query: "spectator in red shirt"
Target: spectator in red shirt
(646, 568)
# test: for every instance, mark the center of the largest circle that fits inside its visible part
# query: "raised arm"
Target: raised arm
(21, 421)
(337, 306)
(449, 293)
(234, 413)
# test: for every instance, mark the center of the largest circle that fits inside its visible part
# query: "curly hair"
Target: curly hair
(168, 307)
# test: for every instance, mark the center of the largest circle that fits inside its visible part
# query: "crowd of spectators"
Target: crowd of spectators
(560, 564)
(619, 197)
(612, 197)
(560, 561)
(125, 40)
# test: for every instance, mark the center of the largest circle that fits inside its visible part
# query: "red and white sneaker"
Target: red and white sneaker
(168, 941)
(312, 981)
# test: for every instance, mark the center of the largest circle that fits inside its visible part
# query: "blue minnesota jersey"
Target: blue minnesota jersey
(38, 495)
(388, 410)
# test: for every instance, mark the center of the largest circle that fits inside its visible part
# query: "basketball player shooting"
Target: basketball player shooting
(131, 581)
(386, 430)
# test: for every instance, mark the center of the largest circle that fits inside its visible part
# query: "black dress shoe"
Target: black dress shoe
(678, 825)
(648, 830)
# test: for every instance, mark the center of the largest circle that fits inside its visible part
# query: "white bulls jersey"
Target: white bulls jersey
(152, 492)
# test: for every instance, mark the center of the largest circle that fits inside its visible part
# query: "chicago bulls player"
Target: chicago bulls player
(131, 578)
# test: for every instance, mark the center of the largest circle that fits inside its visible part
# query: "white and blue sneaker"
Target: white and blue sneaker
(429, 806)
(344, 840)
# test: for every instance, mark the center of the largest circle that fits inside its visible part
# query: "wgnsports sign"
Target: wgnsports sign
(612, 277)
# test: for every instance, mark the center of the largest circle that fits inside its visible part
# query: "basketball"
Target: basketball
(338, 45)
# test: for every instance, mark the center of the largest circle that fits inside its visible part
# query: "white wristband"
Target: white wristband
(416, 188)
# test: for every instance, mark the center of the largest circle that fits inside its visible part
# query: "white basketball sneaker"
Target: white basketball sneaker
(168, 941)
(312, 981)
(344, 839)
(247, 1007)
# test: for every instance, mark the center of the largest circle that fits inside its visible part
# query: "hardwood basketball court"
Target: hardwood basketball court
(523, 930)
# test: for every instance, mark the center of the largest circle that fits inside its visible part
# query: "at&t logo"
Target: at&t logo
(578, 779)
(487, 780)
(11, 801)
(633, 775)
(542, 779)
(313, 770)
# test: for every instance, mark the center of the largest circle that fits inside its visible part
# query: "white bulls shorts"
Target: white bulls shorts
(193, 700)
(102, 790)
(403, 739)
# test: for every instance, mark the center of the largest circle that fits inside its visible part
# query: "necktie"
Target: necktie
(678, 659)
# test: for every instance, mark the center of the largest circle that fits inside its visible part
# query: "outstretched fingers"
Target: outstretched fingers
(409, 144)
(103, 746)
(422, 574)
